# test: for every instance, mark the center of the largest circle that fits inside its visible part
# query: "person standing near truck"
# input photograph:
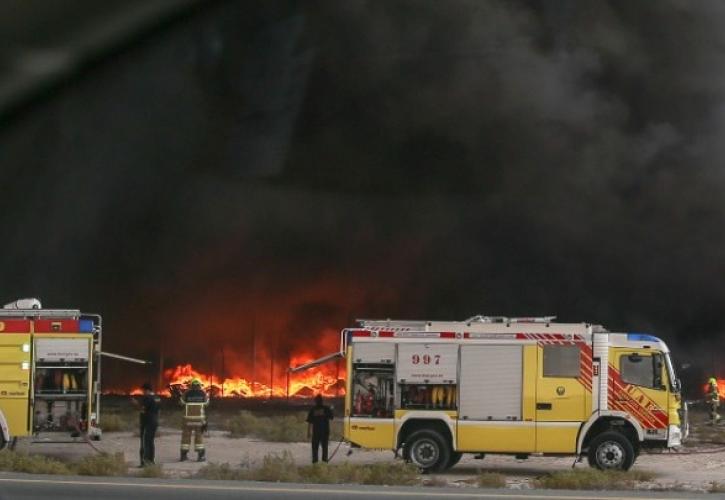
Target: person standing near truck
(318, 428)
(148, 424)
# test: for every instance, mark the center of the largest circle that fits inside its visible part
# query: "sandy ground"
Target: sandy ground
(694, 469)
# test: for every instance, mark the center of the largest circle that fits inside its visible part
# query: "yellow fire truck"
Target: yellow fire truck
(522, 386)
(49, 372)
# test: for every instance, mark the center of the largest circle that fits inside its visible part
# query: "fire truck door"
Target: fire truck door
(560, 398)
(640, 388)
(15, 381)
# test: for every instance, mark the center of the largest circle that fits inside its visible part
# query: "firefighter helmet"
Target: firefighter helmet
(195, 381)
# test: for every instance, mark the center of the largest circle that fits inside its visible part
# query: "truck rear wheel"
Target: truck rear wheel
(428, 450)
(611, 450)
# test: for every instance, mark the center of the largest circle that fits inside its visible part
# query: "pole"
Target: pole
(224, 377)
(271, 368)
(160, 380)
(211, 375)
(289, 360)
(254, 360)
(337, 378)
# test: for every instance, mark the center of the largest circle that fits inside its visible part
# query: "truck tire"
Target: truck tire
(428, 450)
(611, 450)
(455, 458)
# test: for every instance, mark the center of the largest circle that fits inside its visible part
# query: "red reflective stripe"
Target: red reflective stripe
(15, 326)
(386, 334)
(467, 335)
(521, 336)
(364, 333)
(628, 404)
(447, 335)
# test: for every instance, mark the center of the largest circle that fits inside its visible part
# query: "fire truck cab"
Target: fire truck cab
(521, 386)
(49, 372)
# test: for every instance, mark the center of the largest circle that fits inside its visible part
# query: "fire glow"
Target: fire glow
(246, 351)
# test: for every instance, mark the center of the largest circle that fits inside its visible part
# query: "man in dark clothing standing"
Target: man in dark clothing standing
(318, 420)
(148, 423)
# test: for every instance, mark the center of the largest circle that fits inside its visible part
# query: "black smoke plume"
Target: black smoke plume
(285, 168)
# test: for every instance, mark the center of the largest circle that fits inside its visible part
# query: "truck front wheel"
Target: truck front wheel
(611, 450)
(428, 450)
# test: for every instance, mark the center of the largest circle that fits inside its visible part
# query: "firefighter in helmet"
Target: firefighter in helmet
(194, 401)
(713, 400)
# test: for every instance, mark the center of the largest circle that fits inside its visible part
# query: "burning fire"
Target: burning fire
(325, 380)
(306, 384)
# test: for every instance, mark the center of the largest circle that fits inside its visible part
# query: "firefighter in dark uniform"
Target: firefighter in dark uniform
(318, 420)
(148, 424)
(195, 401)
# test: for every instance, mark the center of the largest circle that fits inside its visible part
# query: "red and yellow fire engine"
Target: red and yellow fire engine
(49, 372)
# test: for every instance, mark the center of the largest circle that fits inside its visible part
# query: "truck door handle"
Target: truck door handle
(543, 406)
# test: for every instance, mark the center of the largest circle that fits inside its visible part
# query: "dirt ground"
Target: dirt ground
(694, 468)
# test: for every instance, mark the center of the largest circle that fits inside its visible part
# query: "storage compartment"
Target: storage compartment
(491, 387)
(428, 396)
(59, 415)
(372, 391)
(61, 384)
(61, 380)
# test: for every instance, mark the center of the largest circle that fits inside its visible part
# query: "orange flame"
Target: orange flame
(325, 380)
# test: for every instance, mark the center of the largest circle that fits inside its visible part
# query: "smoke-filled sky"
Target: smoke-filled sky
(283, 170)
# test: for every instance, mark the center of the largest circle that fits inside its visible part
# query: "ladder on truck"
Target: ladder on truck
(472, 324)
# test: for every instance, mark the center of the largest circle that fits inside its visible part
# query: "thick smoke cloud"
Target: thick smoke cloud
(285, 170)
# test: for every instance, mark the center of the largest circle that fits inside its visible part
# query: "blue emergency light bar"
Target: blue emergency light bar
(642, 337)
(85, 326)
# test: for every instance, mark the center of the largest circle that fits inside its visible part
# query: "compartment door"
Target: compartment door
(62, 350)
(491, 400)
(373, 352)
